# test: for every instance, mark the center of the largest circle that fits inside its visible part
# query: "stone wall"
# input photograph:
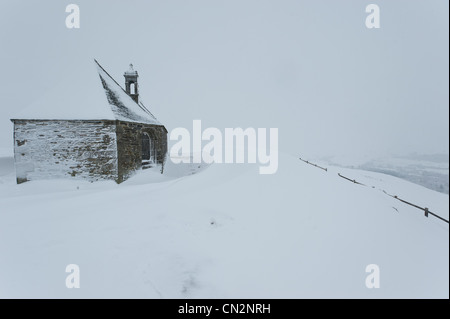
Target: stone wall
(129, 145)
(47, 149)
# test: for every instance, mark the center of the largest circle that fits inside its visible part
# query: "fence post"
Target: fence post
(426, 211)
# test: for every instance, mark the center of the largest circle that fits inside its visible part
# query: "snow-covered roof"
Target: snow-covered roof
(90, 93)
(122, 105)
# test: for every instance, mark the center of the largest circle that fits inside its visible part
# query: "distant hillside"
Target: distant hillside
(428, 170)
(431, 171)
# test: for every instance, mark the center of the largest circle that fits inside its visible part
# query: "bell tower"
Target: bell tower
(131, 83)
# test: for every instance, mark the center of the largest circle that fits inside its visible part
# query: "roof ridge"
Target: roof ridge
(119, 107)
(140, 104)
(111, 77)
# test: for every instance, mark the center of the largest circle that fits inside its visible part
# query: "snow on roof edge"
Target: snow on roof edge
(62, 103)
(125, 101)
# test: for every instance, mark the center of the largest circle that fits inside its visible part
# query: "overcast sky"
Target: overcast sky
(310, 68)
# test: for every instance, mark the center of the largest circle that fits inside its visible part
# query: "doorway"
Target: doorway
(148, 151)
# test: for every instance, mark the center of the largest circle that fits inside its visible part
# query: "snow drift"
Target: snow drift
(224, 232)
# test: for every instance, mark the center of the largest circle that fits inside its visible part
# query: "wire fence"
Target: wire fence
(351, 180)
(315, 165)
(425, 209)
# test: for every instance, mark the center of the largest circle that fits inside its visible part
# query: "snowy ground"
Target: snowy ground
(431, 171)
(223, 232)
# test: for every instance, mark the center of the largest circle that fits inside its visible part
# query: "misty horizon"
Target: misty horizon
(311, 69)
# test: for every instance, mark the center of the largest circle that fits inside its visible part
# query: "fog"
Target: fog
(309, 68)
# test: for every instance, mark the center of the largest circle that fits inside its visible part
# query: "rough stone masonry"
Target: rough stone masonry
(89, 149)
(130, 138)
